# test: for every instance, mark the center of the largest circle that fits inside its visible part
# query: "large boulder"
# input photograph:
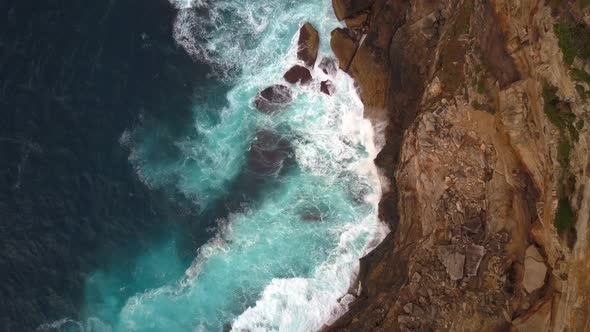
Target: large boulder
(309, 41)
(269, 153)
(344, 46)
(273, 98)
(297, 74)
(534, 270)
(347, 8)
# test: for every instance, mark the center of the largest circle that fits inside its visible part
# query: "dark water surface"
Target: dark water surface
(73, 76)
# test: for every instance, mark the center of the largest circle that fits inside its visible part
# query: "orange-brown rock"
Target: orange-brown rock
(347, 8)
(344, 47)
(472, 159)
(309, 41)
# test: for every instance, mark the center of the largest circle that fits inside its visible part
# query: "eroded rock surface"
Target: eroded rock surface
(487, 161)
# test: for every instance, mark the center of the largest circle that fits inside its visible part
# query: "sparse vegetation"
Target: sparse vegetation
(565, 121)
(565, 217)
(574, 40)
(481, 87)
(580, 75)
(558, 113)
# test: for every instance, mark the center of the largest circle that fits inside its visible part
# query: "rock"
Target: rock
(329, 65)
(297, 74)
(473, 256)
(347, 8)
(343, 46)
(309, 41)
(327, 87)
(357, 22)
(272, 98)
(452, 260)
(268, 153)
(534, 270)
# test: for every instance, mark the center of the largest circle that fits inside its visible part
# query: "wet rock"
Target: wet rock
(452, 260)
(347, 8)
(269, 153)
(473, 256)
(297, 74)
(357, 22)
(272, 98)
(327, 87)
(309, 41)
(534, 270)
(344, 46)
(329, 65)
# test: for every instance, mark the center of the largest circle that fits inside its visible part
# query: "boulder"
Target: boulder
(309, 41)
(347, 8)
(329, 65)
(268, 153)
(344, 47)
(452, 260)
(473, 256)
(534, 270)
(357, 22)
(327, 87)
(297, 74)
(272, 98)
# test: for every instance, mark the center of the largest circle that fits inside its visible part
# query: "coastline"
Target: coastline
(473, 150)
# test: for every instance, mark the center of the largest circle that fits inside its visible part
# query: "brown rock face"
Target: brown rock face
(347, 8)
(309, 41)
(327, 87)
(271, 99)
(472, 154)
(297, 74)
(343, 46)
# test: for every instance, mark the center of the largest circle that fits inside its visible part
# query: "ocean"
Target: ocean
(143, 191)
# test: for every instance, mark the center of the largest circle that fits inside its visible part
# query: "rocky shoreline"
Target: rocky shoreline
(486, 159)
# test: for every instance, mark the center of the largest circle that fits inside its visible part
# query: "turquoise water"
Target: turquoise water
(286, 244)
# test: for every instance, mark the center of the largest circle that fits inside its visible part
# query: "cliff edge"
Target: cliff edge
(486, 160)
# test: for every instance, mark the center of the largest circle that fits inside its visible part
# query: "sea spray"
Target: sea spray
(280, 259)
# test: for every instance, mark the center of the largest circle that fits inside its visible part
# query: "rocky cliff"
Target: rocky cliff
(485, 162)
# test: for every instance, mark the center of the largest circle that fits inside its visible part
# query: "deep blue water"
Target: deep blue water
(143, 191)
(73, 76)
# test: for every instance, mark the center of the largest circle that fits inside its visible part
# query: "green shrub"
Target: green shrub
(565, 217)
(580, 75)
(574, 40)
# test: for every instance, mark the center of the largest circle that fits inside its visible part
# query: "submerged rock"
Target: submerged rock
(272, 98)
(309, 41)
(269, 153)
(329, 65)
(327, 87)
(297, 74)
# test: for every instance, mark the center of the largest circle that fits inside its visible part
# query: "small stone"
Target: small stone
(452, 260)
(327, 87)
(416, 277)
(473, 257)
(534, 270)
